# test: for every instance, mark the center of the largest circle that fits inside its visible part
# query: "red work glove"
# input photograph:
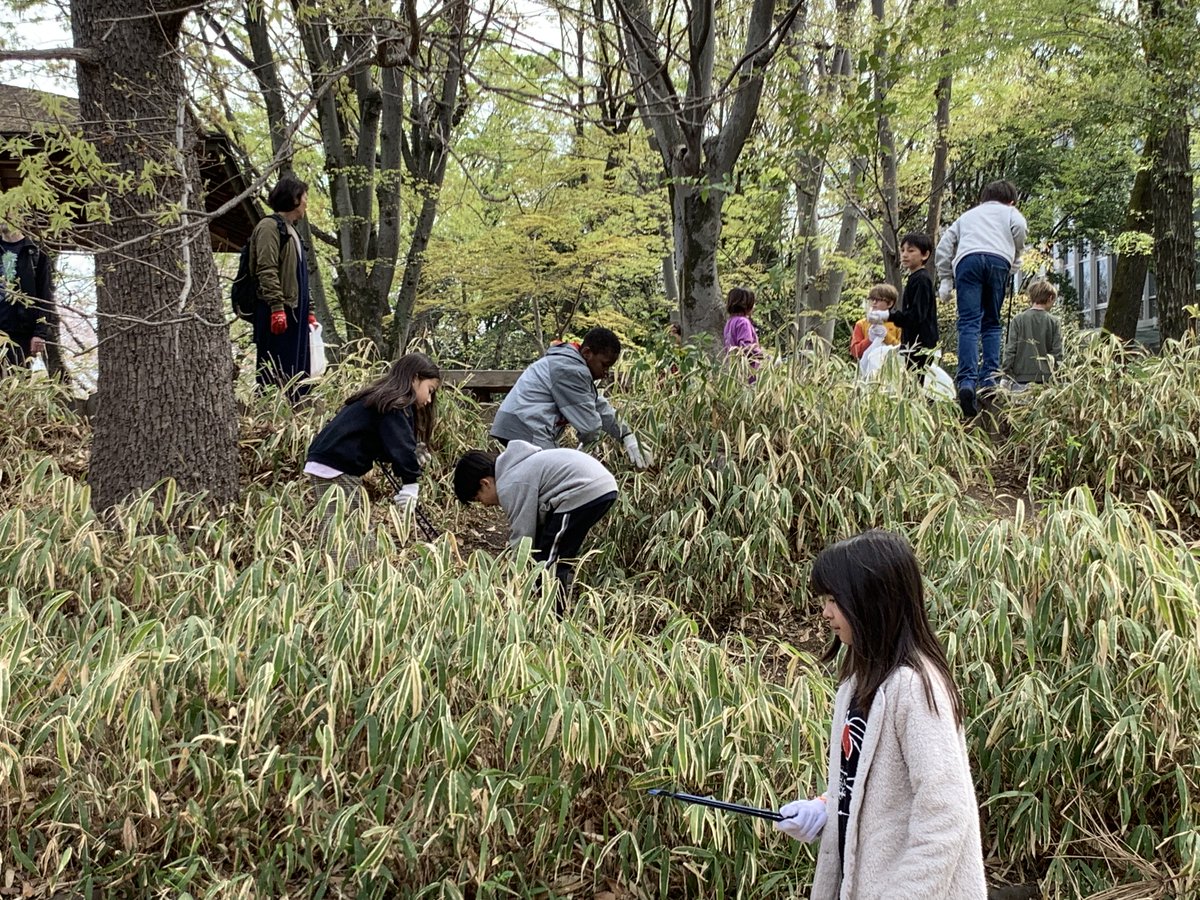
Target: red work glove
(312, 320)
(278, 322)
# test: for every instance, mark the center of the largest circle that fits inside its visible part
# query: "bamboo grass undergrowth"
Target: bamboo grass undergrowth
(207, 704)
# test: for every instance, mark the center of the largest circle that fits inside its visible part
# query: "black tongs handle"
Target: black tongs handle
(712, 802)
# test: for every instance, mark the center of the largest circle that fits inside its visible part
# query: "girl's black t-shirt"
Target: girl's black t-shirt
(853, 730)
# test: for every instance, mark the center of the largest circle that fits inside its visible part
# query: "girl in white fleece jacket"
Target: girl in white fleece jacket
(905, 822)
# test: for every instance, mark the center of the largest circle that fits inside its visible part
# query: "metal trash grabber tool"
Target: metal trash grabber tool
(427, 528)
(713, 803)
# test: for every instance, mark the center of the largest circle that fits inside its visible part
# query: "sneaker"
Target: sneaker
(966, 400)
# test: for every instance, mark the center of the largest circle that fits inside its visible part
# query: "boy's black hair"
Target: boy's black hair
(475, 466)
(601, 340)
(1000, 191)
(286, 195)
(918, 239)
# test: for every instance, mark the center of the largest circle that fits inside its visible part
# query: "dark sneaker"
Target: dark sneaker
(966, 400)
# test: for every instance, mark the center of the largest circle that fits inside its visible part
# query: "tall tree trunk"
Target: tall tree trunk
(1174, 230)
(835, 277)
(697, 237)
(266, 72)
(813, 299)
(698, 155)
(1169, 42)
(889, 190)
(941, 124)
(808, 252)
(1129, 279)
(363, 165)
(165, 372)
(425, 152)
(414, 260)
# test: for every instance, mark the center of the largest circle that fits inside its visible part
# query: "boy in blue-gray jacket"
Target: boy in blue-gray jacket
(553, 497)
(560, 390)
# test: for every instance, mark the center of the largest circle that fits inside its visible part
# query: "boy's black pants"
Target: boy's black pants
(562, 537)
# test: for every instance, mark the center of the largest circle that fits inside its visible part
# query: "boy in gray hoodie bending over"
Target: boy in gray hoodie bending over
(553, 497)
(559, 390)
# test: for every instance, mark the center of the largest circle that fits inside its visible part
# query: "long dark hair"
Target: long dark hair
(395, 391)
(875, 580)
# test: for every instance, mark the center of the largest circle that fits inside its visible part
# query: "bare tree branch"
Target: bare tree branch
(86, 55)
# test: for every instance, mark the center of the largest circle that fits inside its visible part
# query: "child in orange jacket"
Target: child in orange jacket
(882, 296)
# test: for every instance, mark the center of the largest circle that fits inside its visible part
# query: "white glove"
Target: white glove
(406, 497)
(876, 332)
(875, 316)
(423, 454)
(803, 819)
(640, 459)
(946, 288)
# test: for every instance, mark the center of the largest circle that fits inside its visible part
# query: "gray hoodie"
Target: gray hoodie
(555, 391)
(533, 483)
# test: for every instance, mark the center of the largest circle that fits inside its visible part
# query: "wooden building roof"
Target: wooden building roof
(26, 113)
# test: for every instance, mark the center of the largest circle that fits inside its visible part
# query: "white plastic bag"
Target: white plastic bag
(938, 383)
(873, 359)
(316, 351)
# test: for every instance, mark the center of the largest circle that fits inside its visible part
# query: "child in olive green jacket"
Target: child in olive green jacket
(1034, 343)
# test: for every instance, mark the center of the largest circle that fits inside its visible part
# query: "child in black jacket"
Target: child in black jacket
(379, 423)
(917, 319)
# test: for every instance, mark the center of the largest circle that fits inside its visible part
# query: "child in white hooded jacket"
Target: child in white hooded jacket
(900, 818)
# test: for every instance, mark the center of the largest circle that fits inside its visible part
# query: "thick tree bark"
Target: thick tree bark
(1174, 231)
(697, 159)
(270, 85)
(165, 371)
(1129, 279)
(426, 151)
(889, 190)
(1169, 42)
(698, 236)
(941, 124)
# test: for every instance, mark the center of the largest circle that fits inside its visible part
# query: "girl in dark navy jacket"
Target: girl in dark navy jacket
(389, 422)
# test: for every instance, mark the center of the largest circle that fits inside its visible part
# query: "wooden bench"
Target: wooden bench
(482, 383)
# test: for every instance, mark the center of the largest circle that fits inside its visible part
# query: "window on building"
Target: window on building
(1103, 285)
(1087, 296)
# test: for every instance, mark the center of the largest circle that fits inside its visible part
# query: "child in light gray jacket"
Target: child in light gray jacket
(976, 256)
(905, 821)
(553, 497)
(560, 390)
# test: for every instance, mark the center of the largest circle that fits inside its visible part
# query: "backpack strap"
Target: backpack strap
(283, 233)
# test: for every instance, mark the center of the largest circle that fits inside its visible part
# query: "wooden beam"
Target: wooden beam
(481, 382)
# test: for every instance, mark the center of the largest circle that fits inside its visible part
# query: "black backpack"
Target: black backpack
(244, 292)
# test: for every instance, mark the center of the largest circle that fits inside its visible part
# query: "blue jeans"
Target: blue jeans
(980, 280)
